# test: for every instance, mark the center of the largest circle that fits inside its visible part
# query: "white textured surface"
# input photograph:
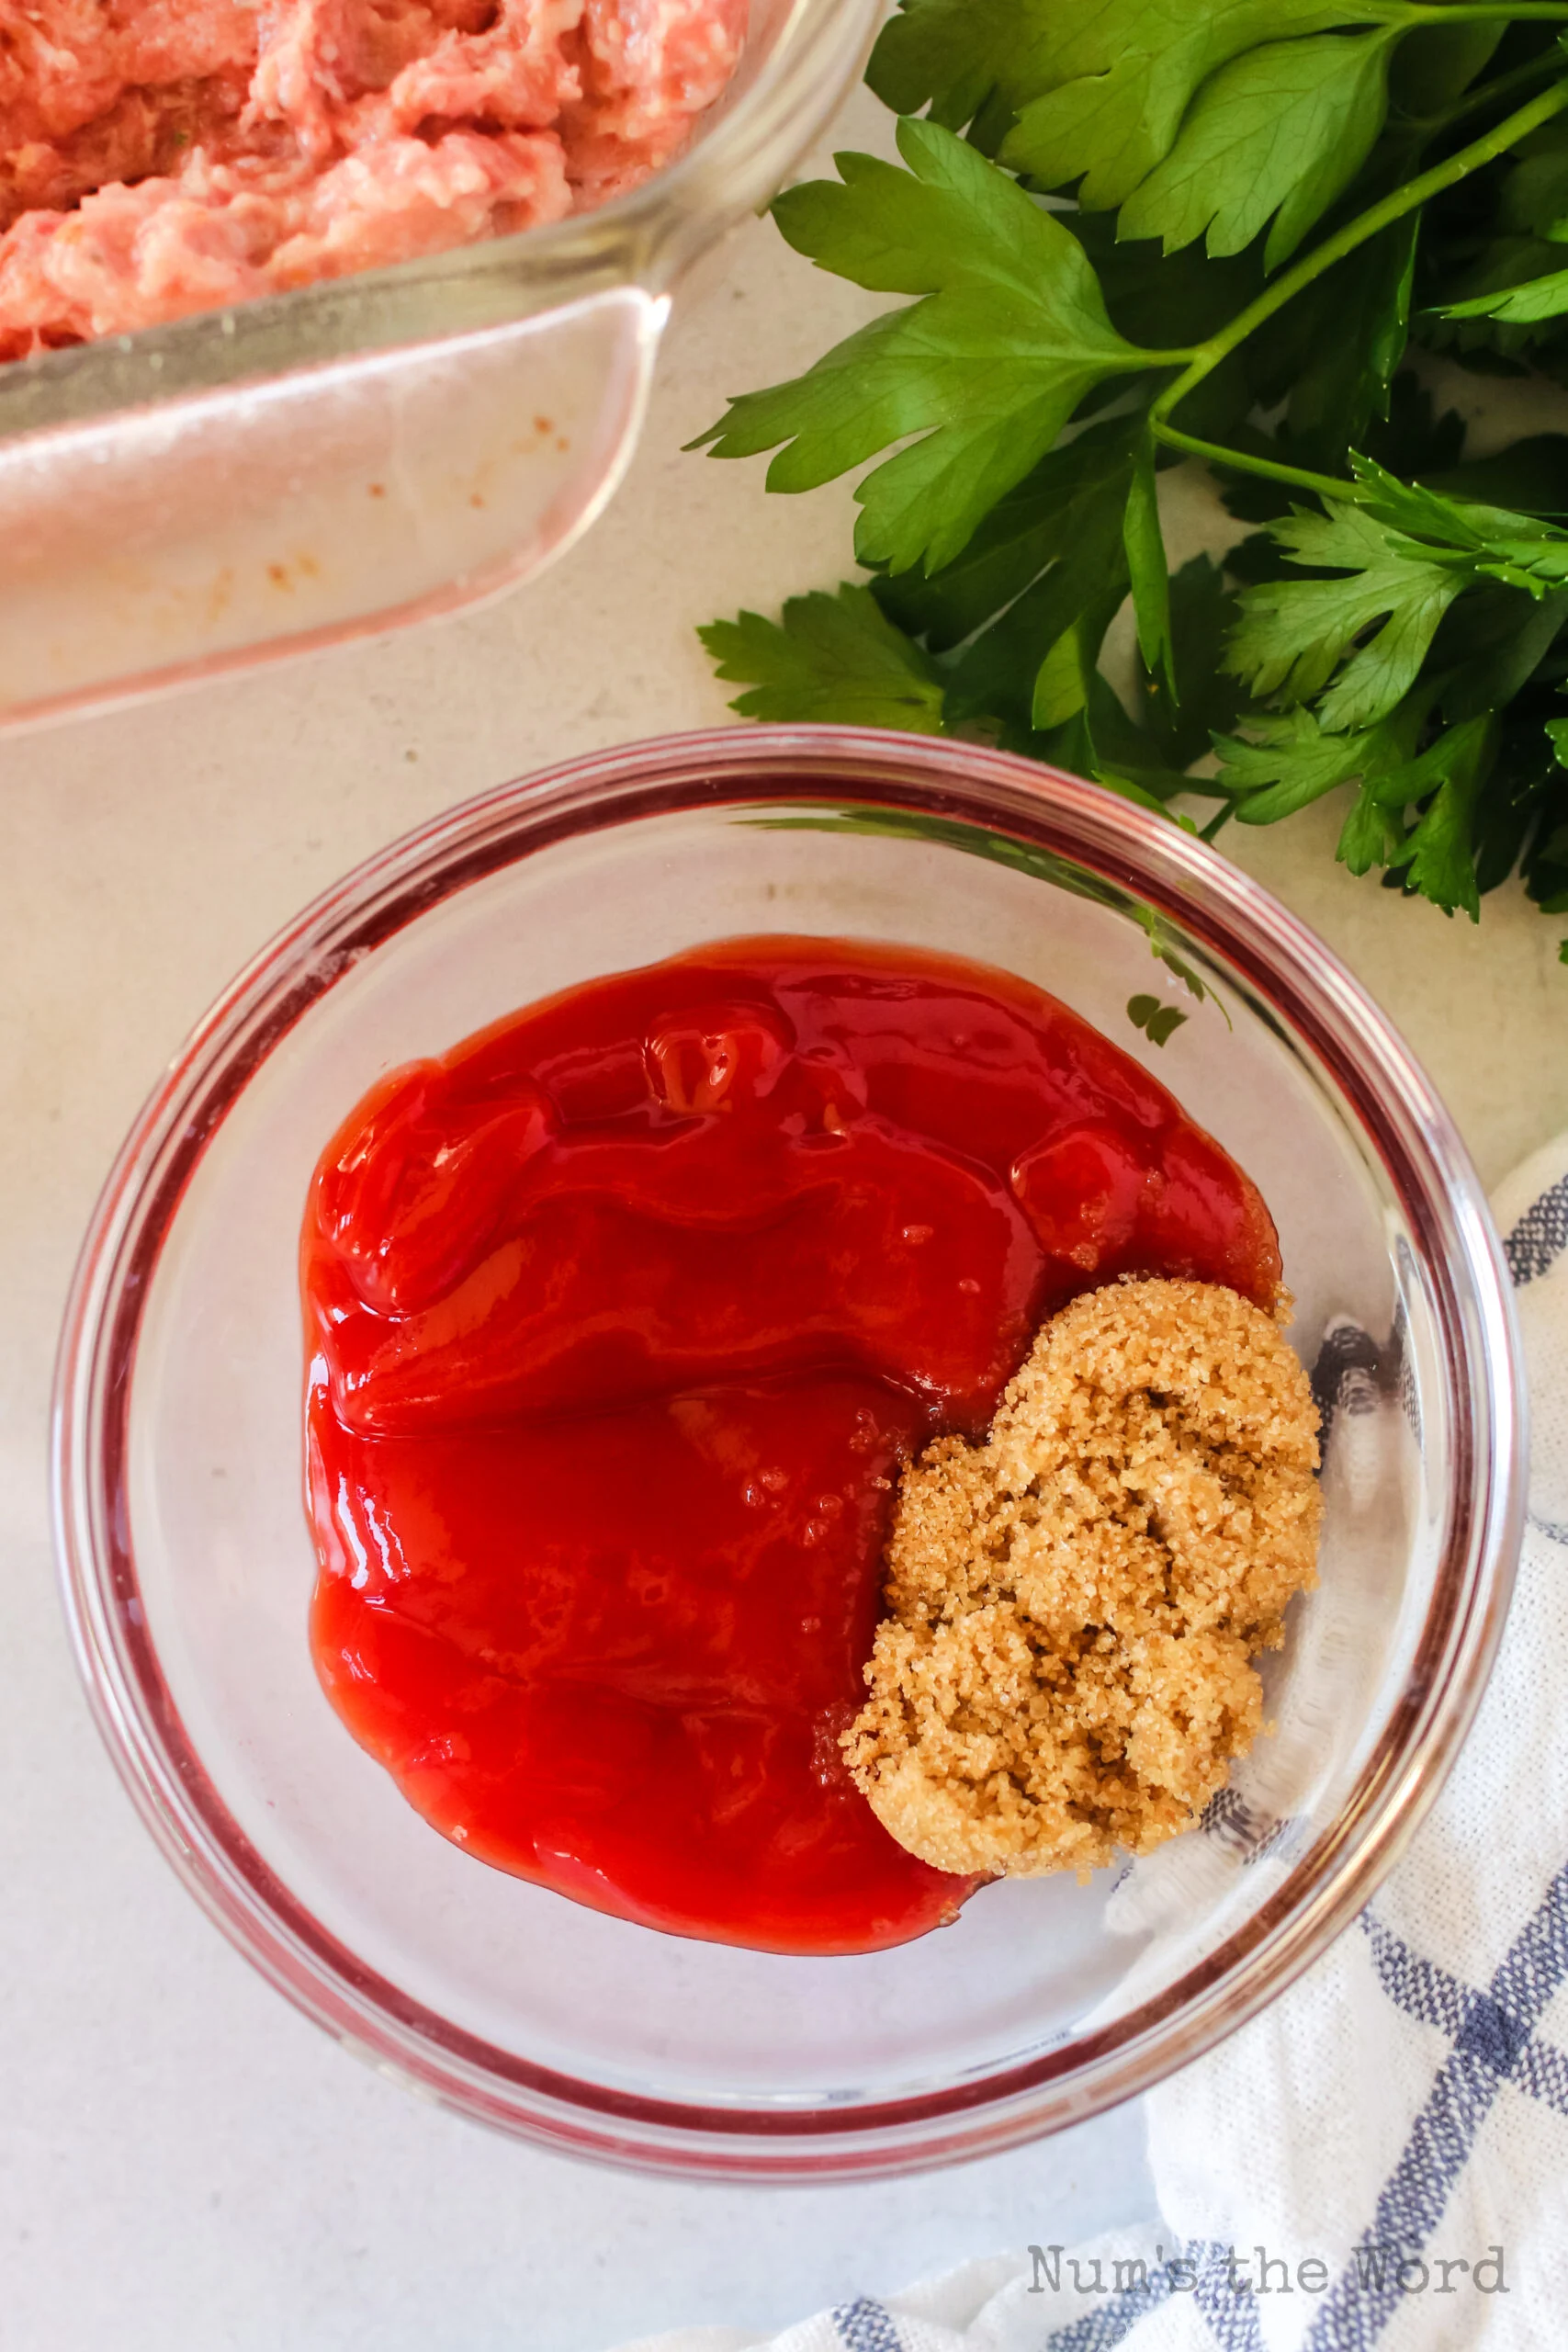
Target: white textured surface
(184, 2163)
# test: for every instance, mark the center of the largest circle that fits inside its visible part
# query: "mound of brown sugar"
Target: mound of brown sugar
(1065, 1667)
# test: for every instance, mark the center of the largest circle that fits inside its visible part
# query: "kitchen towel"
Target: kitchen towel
(1380, 2159)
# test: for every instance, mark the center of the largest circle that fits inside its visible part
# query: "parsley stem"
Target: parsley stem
(1485, 94)
(1408, 199)
(1242, 461)
(1535, 11)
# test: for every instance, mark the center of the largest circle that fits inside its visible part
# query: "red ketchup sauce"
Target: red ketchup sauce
(621, 1318)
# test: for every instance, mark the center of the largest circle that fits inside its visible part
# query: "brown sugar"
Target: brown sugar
(1066, 1671)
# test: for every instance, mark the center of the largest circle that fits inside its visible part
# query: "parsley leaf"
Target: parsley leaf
(1530, 476)
(1294, 634)
(834, 659)
(1534, 197)
(1331, 361)
(1276, 135)
(1493, 239)
(1144, 549)
(1074, 497)
(1370, 835)
(1441, 849)
(1504, 643)
(1428, 512)
(1523, 306)
(1012, 334)
(965, 60)
(1338, 373)
(1159, 1021)
(1519, 816)
(1123, 74)
(1202, 612)
(1440, 61)
(1032, 667)
(1292, 763)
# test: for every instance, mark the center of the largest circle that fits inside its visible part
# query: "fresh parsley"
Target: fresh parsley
(1009, 337)
(834, 658)
(1131, 234)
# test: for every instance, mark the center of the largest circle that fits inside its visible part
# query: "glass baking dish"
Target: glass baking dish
(358, 455)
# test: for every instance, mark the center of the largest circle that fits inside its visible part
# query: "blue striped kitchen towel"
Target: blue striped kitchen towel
(1379, 2159)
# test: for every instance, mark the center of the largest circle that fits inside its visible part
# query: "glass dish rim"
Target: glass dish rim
(1373, 1074)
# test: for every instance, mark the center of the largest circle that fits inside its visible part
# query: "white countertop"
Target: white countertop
(184, 2162)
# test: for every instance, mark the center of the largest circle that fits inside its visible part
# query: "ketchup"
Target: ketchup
(622, 1318)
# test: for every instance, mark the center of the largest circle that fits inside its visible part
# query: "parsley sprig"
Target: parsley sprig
(1138, 233)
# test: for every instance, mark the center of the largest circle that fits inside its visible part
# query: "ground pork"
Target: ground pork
(159, 158)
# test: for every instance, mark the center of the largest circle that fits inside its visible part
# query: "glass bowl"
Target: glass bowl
(378, 450)
(187, 1565)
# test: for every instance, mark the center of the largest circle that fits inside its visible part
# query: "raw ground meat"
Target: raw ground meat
(163, 156)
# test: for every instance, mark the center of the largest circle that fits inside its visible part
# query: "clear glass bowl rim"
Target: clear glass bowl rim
(1274, 953)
